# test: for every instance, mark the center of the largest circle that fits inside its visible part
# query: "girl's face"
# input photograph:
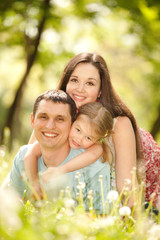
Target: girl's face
(84, 84)
(82, 134)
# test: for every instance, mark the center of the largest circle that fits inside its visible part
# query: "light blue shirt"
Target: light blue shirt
(88, 175)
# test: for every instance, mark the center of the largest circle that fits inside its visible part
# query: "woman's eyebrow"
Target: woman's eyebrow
(90, 78)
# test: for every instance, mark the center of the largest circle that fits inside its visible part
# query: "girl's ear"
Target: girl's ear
(32, 120)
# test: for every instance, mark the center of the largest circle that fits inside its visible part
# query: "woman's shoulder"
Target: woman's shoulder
(122, 123)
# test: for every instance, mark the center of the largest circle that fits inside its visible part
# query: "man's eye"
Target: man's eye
(43, 117)
(77, 129)
(60, 119)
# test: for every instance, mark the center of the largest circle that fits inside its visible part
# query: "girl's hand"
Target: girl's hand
(50, 173)
(37, 192)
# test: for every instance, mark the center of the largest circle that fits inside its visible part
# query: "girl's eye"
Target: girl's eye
(88, 139)
(77, 130)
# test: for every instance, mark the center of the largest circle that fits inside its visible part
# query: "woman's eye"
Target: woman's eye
(73, 80)
(90, 83)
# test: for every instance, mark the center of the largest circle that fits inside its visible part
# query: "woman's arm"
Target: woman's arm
(82, 160)
(125, 149)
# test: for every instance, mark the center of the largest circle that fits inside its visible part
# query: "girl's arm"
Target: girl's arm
(32, 138)
(30, 162)
(31, 167)
(82, 160)
(125, 149)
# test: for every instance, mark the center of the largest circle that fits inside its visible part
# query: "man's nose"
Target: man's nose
(50, 124)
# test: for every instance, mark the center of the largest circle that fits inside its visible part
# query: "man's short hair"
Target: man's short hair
(56, 96)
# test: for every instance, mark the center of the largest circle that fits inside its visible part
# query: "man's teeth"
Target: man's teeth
(50, 134)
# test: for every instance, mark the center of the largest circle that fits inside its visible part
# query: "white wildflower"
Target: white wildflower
(69, 203)
(133, 170)
(152, 196)
(48, 236)
(9, 209)
(154, 232)
(2, 153)
(81, 185)
(77, 175)
(106, 222)
(112, 196)
(127, 181)
(125, 211)
(100, 178)
(77, 236)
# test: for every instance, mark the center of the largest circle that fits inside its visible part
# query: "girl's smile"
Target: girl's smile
(81, 134)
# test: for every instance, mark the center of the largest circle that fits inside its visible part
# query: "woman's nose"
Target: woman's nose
(81, 87)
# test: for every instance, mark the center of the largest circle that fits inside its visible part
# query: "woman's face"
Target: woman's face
(84, 84)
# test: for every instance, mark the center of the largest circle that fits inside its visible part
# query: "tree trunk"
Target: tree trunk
(156, 125)
(16, 105)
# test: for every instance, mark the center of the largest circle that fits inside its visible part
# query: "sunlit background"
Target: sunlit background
(125, 34)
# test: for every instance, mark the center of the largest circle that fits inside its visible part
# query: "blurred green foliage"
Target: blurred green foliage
(126, 34)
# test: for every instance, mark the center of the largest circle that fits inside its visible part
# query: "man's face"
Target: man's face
(52, 124)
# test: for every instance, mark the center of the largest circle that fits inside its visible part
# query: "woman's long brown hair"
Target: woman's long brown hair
(109, 98)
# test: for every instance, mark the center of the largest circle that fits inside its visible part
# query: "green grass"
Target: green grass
(62, 219)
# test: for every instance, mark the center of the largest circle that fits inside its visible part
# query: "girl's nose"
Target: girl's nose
(79, 139)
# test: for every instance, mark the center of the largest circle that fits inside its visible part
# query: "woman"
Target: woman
(86, 79)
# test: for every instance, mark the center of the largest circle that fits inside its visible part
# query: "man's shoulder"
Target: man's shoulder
(23, 149)
(22, 152)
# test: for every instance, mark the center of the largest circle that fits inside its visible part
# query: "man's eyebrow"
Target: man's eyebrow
(41, 113)
(64, 116)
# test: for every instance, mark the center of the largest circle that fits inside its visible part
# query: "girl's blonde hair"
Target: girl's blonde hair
(102, 122)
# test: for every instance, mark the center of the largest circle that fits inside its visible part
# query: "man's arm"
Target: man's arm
(15, 177)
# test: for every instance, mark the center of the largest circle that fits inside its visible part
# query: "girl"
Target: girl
(86, 79)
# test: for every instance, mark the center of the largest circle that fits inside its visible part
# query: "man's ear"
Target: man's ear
(32, 120)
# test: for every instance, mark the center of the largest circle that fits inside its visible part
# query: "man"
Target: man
(53, 114)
